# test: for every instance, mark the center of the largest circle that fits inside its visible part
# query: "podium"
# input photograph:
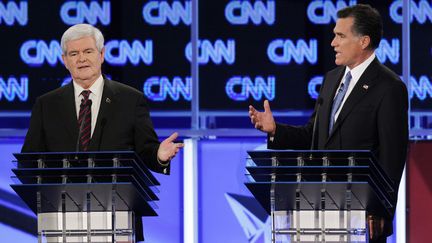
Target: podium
(320, 196)
(86, 196)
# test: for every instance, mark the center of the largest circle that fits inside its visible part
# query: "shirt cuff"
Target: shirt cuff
(271, 139)
(165, 163)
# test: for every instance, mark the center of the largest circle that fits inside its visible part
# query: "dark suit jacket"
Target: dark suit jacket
(374, 117)
(123, 123)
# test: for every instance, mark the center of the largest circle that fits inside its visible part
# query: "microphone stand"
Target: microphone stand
(319, 102)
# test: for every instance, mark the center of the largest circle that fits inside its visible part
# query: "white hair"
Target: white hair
(79, 31)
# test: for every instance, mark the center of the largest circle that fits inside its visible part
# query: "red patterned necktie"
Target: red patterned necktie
(84, 120)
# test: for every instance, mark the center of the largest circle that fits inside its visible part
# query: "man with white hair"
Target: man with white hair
(94, 113)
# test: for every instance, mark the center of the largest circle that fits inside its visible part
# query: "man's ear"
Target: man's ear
(103, 54)
(365, 42)
(65, 61)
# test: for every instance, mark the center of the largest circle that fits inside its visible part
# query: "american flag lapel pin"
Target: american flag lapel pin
(365, 86)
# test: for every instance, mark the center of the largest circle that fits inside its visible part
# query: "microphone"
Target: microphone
(319, 103)
(87, 107)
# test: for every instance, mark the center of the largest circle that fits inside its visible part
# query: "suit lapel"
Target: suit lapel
(366, 81)
(67, 110)
(105, 112)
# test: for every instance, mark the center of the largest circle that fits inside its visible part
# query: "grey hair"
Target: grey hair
(79, 31)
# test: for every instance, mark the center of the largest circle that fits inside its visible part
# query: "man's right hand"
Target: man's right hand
(263, 121)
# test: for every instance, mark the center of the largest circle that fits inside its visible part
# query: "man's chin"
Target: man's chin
(338, 62)
(85, 81)
(85, 76)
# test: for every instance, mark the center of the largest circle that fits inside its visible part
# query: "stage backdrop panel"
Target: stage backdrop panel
(248, 50)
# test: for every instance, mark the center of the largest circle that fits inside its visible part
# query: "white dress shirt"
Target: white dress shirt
(95, 96)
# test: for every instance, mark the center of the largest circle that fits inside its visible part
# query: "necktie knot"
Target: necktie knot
(346, 82)
(85, 100)
(85, 93)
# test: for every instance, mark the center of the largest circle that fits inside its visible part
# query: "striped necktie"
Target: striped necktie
(84, 120)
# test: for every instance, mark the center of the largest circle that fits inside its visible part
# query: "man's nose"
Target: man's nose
(333, 43)
(81, 57)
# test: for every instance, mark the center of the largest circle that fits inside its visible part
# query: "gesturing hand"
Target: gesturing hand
(168, 149)
(263, 121)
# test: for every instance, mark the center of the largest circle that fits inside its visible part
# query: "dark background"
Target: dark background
(169, 42)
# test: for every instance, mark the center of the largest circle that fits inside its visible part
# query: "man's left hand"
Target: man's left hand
(168, 148)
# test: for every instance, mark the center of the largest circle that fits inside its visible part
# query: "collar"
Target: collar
(357, 72)
(96, 88)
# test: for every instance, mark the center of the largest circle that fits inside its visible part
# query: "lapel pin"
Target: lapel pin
(365, 86)
(108, 100)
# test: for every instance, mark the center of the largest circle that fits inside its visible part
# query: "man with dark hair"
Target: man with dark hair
(364, 106)
(367, 21)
